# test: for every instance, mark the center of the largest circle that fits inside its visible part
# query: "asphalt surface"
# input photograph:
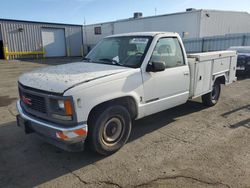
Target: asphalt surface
(187, 146)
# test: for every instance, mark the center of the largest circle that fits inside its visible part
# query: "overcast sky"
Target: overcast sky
(95, 11)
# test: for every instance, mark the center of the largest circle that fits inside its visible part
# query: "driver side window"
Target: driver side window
(168, 50)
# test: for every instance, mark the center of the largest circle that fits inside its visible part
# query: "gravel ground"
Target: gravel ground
(187, 146)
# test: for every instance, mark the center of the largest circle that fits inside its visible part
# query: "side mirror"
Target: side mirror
(156, 66)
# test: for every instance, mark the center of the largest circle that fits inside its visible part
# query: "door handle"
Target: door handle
(186, 73)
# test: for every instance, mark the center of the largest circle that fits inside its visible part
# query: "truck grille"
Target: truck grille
(32, 102)
(36, 102)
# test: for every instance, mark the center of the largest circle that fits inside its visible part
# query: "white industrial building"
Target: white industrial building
(190, 24)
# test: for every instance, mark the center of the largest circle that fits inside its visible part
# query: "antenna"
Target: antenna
(155, 11)
(85, 32)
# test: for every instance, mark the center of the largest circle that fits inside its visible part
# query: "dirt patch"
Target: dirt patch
(6, 100)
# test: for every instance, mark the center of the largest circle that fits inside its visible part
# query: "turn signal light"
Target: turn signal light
(68, 108)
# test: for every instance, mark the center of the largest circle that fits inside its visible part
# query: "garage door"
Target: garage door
(54, 42)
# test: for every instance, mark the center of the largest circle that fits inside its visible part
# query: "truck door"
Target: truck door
(168, 88)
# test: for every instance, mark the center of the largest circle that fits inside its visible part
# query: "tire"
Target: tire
(109, 129)
(211, 99)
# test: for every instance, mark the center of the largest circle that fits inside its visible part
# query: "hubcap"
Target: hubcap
(112, 130)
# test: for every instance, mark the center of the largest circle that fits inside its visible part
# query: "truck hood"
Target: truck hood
(59, 78)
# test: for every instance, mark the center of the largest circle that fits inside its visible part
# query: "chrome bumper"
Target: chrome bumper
(53, 133)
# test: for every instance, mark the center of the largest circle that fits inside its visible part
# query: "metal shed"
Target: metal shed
(22, 39)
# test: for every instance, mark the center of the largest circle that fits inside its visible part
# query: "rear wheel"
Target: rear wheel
(211, 99)
(109, 129)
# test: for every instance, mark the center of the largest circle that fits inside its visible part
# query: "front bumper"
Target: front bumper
(70, 139)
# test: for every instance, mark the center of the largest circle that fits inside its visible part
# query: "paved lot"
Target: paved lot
(188, 146)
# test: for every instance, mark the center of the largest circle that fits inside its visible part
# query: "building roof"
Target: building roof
(37, 22)
(169, 14)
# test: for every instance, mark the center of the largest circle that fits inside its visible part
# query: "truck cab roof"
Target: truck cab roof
(152, 34)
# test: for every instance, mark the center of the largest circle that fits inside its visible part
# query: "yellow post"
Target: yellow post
(6, 53)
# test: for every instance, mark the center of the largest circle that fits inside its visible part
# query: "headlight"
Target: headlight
(61, 109)
(61, 104)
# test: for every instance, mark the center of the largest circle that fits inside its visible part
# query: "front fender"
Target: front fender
(86, 98)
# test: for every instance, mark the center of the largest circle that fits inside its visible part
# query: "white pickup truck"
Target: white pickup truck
(125, 77)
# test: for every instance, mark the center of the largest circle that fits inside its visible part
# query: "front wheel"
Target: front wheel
(211, 99)
(109, 129)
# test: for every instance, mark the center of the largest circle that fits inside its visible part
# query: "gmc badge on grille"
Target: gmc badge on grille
(26, 100)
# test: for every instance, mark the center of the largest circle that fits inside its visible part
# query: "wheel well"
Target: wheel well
(221, 79)
(128, 102)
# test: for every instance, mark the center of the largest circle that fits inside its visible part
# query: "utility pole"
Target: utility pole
(85, 32)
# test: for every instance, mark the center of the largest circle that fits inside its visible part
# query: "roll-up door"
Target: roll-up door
(54, 42)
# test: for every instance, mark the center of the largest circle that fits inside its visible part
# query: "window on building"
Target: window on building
(98, 30)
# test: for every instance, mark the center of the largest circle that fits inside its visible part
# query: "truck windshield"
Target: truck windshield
(127, 51)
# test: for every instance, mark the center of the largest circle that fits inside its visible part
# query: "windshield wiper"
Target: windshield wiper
(114, 62)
